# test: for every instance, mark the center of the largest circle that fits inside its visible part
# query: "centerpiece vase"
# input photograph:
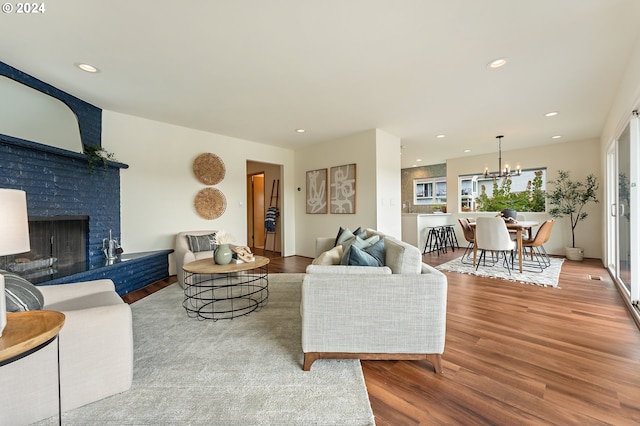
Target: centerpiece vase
(222, 255)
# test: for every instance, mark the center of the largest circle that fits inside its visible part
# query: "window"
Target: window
(430, 191)
(524, 193)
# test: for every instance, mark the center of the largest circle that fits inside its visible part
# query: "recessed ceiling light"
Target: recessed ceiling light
(415, 165)
(497, 63)
(551, 114)
(440, 136)
(300, 130)
(467, 150)
(418, 159)
(556, 137)
(87, 67)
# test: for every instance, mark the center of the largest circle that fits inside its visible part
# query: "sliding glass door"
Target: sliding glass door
(622, 210)
(623, 174)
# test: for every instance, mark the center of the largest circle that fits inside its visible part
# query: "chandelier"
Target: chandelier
(502, 173)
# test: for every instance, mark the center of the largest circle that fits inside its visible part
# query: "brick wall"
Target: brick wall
(59, 183)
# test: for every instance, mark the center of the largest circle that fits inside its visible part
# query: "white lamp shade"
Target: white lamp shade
(14, 222)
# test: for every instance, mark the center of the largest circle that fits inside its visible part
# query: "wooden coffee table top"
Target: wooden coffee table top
(27, 330)
(206, 266)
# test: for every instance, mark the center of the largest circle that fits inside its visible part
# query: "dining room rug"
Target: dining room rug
(245, 371)
(547, 278)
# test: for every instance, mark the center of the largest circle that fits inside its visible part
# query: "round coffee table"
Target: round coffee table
(217, 292)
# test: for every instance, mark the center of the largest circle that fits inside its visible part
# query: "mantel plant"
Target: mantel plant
(569, 197)
(97, 156)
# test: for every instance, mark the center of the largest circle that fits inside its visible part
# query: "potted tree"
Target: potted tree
(568, 198)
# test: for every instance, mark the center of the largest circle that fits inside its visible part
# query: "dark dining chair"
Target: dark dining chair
(469, 235)
(536, 245)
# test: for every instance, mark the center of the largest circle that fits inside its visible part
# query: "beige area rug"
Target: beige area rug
(547, 278)
(245, 371)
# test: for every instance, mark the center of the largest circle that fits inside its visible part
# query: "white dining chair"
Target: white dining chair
(492, 234)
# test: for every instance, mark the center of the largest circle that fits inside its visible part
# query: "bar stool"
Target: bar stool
(450, 237)
(435, 241)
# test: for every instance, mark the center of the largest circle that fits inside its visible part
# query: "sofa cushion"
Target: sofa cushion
(202, 242)
(369, 256)
(338, 270)
(401, 257)
(21, 295)
(330, 257)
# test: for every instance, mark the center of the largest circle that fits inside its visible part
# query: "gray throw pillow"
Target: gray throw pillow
(202, 242)
(21, 294)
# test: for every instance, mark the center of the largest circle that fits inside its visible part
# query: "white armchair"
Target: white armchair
(184, 255)
(96, 355)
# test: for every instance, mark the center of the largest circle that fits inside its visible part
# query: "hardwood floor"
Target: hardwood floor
(515, 354)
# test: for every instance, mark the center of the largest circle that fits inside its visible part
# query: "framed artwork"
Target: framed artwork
(342, 194)
(317, 191)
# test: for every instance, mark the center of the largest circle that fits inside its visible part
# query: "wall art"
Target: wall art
(342, 193)
(317, 191)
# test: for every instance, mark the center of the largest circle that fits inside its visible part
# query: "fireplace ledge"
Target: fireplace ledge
(129, 272)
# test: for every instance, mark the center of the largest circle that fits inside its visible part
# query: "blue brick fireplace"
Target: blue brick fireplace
(59, 184)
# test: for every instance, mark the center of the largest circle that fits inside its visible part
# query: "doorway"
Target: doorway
(256, 210)
(264, 192)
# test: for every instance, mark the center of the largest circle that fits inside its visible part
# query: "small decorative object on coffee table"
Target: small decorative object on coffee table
(225, 291)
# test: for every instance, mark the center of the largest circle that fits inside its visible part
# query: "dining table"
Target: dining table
(519, 226)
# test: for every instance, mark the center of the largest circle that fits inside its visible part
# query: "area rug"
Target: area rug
(547, 278)
(245, 371)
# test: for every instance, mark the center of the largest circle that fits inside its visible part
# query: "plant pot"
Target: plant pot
(574, 253)
(509, 213)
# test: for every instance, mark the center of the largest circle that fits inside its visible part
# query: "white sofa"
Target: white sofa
(96, 355)
(184, 255)
(396, 311)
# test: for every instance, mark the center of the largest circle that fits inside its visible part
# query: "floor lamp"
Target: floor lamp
(14, 235)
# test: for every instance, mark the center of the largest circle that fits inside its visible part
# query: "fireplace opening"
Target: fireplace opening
(58, 248)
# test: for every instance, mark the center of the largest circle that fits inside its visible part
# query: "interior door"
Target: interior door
(257, 193)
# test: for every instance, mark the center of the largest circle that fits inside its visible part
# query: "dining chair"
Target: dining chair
(492, 234)
(469, 235)
(537, 244)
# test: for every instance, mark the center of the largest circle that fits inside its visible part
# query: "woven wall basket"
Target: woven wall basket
(210, 203)
(209, 169)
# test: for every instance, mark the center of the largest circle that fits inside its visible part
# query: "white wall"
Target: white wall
(580, 158)
(388, 184)
(359, 149)
(159, 187)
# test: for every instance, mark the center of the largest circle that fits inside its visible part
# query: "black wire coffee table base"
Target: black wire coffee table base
(225, 291)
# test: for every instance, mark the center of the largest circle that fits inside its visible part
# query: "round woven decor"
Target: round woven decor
(210, 203)
(209, 168)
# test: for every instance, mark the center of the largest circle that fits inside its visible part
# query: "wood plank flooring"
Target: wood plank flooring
(515, 354)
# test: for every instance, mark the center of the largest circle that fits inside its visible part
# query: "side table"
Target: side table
(28, 332)
(217, 292)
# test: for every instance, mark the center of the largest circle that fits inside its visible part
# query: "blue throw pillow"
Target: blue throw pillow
(370, 256)
(21, 294)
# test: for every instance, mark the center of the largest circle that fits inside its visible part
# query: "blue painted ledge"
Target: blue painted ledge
(129, 272)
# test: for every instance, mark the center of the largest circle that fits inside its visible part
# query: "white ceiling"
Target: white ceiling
(258, 70)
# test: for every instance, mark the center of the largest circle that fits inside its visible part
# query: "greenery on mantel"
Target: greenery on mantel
(569, 197)
(97, 156)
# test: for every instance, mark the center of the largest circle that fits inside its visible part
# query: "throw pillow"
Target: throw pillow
(330, 257)
(371, 256)
(357, 242)
(340, 237)
(21, 294)
(202, 242)
(345, 235)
